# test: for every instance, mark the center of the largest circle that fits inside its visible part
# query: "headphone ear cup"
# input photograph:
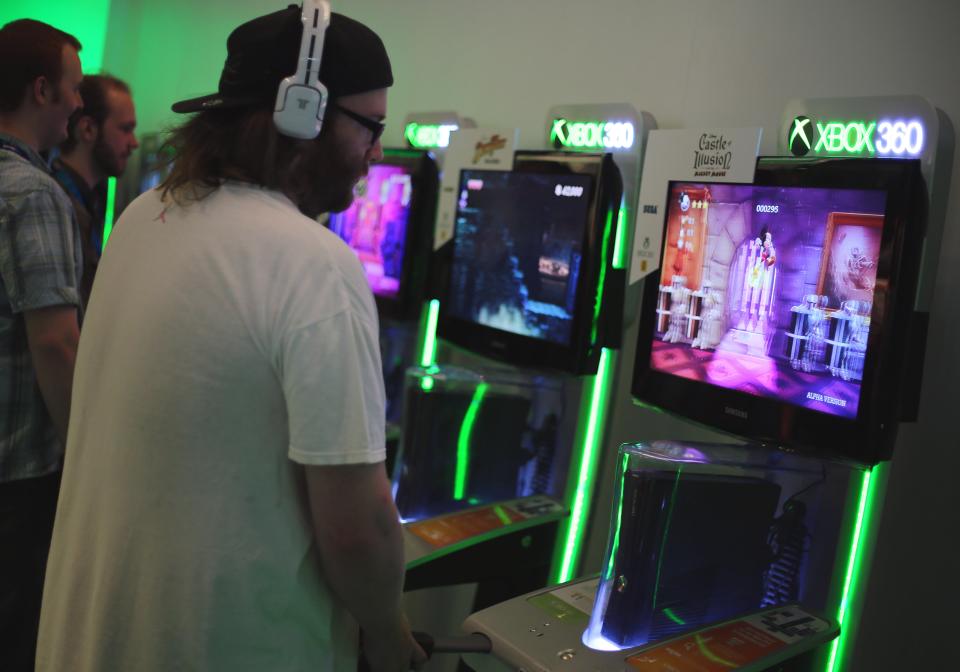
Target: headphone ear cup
(299, 109)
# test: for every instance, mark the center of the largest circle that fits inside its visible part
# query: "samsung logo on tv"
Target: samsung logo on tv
(736, 412)
(768, 208)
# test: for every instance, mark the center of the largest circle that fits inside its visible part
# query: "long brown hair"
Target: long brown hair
(235, 144)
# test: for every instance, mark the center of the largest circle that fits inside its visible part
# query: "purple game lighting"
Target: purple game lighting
(769, 291)
(375, 226)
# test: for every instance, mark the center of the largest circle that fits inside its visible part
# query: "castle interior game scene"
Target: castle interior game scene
(769, 290)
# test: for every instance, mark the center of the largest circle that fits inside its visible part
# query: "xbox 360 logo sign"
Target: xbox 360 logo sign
(801, 136)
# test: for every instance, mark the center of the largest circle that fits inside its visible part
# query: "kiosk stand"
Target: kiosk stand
(704, 533)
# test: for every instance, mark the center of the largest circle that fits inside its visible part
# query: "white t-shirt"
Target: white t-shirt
(225, 342)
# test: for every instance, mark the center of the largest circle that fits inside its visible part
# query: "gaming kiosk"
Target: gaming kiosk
(784, 316)
(528, 300)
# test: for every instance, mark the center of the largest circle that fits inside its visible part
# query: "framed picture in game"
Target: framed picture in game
(782, 309)
(851, 253)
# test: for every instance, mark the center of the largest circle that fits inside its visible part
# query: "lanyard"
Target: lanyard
(16, 150)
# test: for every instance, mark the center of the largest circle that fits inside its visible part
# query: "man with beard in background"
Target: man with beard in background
(99, 142)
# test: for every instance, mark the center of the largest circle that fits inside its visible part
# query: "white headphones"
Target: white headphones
(301, 98)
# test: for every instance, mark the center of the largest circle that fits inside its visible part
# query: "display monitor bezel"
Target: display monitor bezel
(869, 436)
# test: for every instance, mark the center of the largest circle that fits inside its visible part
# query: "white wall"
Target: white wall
(690, 63)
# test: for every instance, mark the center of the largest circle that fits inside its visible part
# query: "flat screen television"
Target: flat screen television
(782, 310)
(531, 251)
(390, 228)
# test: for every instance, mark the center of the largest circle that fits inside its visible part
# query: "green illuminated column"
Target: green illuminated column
(861, 542)
(463, 443)
(593, 416)
(428, 351)
(108, 211)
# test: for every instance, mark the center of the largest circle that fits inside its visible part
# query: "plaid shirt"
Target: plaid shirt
(40, 266)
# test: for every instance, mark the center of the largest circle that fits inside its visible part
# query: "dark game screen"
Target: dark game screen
(375, 226)
(517, 251)
(769, 290)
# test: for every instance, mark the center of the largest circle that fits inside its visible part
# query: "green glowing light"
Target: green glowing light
(615, 546)
(502, 515)
(426, 383)
(463, 443)
(710, 655)
(867, 508)
(666, 531)
(592, 135)
(853, 137)
(87, 21)
(887, 137)
(587, 468)
(800, 130)
(673, 617)
(601, 282)
(429, 355)
(108, 214)
(558, 135)
(428, 136)
(620, 246)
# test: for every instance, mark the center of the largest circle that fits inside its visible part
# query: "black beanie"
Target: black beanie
(264, 50)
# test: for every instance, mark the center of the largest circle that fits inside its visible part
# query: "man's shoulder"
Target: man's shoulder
(20, 179)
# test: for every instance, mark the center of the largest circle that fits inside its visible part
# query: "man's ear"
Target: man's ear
(41, 91)
(86, 130)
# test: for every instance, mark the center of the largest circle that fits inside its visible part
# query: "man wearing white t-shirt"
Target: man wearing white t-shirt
(224, 504)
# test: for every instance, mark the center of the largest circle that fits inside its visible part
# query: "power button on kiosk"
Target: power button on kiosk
(566, 655)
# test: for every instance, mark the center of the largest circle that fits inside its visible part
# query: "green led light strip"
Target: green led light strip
(867, 509)
(463, 443)
(502, 515)
(620, 246)
(602, 281)
(108, 214)
(666, 532)
(428, 357)
(615, 546)
(668, 612)
(585, 477)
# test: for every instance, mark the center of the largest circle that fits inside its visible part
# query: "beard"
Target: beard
(329, 177)
(107, 162)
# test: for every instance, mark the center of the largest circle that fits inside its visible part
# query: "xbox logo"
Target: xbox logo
(801, 136)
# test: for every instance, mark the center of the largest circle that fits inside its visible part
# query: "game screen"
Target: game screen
(517, 251)
(375, 226)
(769, 290)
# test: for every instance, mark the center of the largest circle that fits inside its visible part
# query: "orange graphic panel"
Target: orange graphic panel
(439, 532)
(728, 647)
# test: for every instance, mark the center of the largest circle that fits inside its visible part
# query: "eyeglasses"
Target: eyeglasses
(375, 127)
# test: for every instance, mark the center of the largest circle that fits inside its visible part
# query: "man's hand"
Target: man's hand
(392, 650)
(360, 543)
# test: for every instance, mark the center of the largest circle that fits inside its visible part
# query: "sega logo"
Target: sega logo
(775, 209)
(568, 190)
